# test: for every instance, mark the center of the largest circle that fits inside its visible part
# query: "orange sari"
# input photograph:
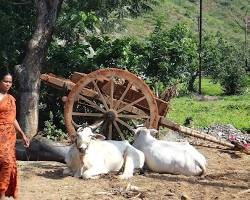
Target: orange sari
(8, 169)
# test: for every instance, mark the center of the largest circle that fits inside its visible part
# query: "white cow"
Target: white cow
(91, 155)
(169, 157)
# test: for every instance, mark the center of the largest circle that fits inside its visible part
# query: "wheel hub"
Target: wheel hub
(110, 116)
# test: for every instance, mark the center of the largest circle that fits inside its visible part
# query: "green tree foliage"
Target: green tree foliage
(248, 61)
(172, 55)
(224, 62)
(16, 25)
(232, 75)
(211, 55)
(124, 53)
(70, 46)
(79, 32)
(157, 59)
(110, 12)
(183, 54)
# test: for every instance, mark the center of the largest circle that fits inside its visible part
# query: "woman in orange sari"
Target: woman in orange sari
(8, 128)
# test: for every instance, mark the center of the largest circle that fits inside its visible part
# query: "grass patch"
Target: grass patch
(209, 88)
(233, 110)
(227, 110)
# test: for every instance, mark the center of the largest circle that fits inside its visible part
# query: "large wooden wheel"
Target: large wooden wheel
(117, 97)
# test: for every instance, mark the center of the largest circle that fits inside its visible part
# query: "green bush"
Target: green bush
(171, 55)
(51, 131)
(224, 62)
(233, 80)
(232, 72)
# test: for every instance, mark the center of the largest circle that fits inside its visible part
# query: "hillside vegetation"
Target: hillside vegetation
(218, 15)
(225, 16)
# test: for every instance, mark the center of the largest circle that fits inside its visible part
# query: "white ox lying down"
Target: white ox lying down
(90, 156)
(169, 157)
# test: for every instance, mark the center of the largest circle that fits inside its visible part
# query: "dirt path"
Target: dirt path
(227, 175)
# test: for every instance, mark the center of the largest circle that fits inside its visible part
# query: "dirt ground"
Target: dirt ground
(228, 177)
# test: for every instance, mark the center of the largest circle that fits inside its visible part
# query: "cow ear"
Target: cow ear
(99, 136)
(137, 129)
(79, 129)
(153, 131)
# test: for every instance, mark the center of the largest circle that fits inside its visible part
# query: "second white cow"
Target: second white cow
(91, 155)
(168, 157)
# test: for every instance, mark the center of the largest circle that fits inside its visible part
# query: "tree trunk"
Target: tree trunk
(191, 82)
(42, 149)
(29, 71)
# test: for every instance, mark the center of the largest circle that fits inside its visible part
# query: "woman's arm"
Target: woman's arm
(20, 131)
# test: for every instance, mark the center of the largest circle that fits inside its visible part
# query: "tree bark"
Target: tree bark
(29, 71)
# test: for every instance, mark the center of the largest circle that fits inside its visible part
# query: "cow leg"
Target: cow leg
(90, 173)
(128, 167)
(78, 173)
(67, 171)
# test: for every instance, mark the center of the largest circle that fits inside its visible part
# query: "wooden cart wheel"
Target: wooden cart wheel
(117, 97)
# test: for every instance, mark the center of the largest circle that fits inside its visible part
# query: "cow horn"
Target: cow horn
(75, 125)
(96, 125)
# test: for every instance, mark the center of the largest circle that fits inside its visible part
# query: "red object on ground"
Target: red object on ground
(231, 138)
(246, 146)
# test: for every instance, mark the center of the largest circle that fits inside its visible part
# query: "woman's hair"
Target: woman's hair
(4, 72)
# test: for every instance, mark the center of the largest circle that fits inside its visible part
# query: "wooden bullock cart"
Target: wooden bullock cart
(121, 100)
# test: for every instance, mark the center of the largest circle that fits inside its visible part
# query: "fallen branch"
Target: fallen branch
(41, 149)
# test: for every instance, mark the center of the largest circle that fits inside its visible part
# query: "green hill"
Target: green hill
(218, 15)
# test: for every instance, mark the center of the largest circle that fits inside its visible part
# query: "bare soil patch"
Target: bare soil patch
(227, 177)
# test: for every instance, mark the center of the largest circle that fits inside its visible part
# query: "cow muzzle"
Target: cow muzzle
(82, 150)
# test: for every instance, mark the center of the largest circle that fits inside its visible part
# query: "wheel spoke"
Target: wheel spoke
(110, 131)
(100, 94)
(123, 95)
(112, 93)
(87, 114)
(118, 130)
(103, 128)
(125, 124)
(131, 104)
(133, 116)
(91, 104)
